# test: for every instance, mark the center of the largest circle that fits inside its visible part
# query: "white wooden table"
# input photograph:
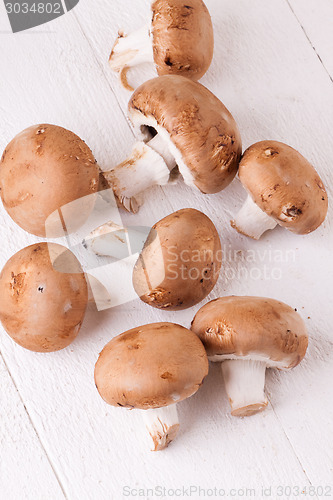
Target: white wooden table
(273, 68)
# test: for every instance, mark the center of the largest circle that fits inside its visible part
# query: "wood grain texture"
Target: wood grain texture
(268, 75)
(23, 461)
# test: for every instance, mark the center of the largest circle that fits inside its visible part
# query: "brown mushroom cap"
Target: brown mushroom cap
(42, 308)
(42, 169)
(180, 262)
(252, 326)
(183, 39)
(198, 124)
(284, 185)
(151, 366)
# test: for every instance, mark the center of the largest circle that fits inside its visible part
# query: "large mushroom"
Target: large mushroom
(152, 368)
(43, 170)
(180, 261)
(181, 123)
(248, 335)
(283, 188)
(44, 296)
(178, 40)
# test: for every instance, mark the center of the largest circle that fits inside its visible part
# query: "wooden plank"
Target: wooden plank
(259, 74)
(25, 469)
(316, 20)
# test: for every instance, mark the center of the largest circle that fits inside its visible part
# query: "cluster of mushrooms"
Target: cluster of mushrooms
(49, 180)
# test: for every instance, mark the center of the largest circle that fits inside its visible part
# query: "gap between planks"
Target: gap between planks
(102, 68)
(53, 468)
(309, 40)
(290, 443)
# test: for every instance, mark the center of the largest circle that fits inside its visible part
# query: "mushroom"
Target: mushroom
(180, 261)
(42, 170)
(181, 122)
(44, 296)
(248, 335)
(283, 188)
(152, 368)
(178, 40)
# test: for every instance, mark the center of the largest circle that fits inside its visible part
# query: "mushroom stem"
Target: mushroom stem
(130, 50)
(252, 221)
(110, 239)
(162, 425)
(148, 165)
(244, 382)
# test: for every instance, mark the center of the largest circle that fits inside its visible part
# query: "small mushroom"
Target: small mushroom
(283, 188)
(180, 261)
(152, 368)
(248, 335)
(178, 40)
(181, 123)
(44, 296)
(42, 171)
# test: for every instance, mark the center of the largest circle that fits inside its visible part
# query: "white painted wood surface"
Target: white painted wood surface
(58, 438)
(311, 15)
